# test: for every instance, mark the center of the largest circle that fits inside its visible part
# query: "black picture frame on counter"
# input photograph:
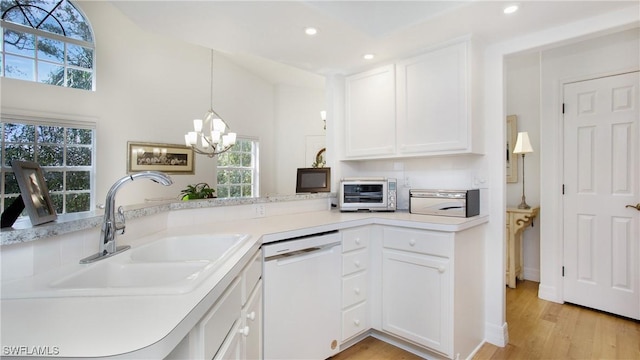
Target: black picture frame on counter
(34, 192)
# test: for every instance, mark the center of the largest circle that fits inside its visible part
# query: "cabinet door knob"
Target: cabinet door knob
(244, 331)
(356, 322)
(441, 269)
(358, 241)
(412, 242)
(251, 315)
(357, 263)
(357, 291)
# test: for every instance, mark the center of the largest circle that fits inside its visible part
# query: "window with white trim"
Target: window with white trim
(238, 170)
(46, 41)
(64, 150)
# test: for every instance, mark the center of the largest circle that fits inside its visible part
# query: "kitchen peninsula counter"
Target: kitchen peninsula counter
(151, 326)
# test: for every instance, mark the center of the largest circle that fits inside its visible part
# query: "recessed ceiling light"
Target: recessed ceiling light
(510, 9)
(368, 56)
(310, 31)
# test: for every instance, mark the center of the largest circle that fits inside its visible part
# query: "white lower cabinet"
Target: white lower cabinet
(232, 328)
(245, 338)
(252, 330)
(431, 288)
(416, 298)
(355, 280)
(231, 349)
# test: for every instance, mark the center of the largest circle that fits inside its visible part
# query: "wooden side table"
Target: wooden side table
(517, 221)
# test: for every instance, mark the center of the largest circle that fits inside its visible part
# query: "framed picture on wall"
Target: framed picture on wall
(168, 158)
(34, 192)
(512, 159)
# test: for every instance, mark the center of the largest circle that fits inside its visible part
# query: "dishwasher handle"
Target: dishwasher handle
(302, 254)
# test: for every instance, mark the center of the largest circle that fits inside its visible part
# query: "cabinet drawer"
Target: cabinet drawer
(355, 261)
(419, 241)
(354, 289)
(251, 275)
(215, 325)
(354, 321)
(356, 238)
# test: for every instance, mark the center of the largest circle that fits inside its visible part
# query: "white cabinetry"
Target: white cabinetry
(370, 113)
(433, 104)
(232, 328)
(416, 288)
(416, 107)
(355, 279)
(431, 283)
(251, 314)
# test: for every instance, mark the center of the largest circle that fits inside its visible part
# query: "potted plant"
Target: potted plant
(197, 191)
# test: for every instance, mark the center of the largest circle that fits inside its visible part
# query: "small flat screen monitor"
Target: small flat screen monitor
(313, 180)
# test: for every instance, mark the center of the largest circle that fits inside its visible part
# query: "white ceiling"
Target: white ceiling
(268, 36)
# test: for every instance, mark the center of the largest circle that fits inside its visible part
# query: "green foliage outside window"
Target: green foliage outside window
(46, 41)
(65, 154)
(237, 170)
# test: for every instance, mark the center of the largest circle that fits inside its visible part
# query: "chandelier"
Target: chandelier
(209, 136)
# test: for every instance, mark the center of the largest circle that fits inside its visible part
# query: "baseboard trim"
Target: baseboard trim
(549, 293)
(532, 274)
(496, 334)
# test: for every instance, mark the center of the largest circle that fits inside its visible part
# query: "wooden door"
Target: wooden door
(601, 176)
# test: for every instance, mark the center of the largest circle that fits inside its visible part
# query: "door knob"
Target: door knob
(636, 206)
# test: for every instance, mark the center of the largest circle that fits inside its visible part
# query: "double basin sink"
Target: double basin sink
(169, 265)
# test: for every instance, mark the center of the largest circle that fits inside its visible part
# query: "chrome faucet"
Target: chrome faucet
(110, 225)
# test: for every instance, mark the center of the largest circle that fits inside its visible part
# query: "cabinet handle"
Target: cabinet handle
(357, 263)
(244, 331)
(412, 242)
(358, 241)
(441, 269)
(251, 315)
(357, 291)
(356, 322)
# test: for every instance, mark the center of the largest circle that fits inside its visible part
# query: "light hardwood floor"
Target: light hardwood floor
(538, 329)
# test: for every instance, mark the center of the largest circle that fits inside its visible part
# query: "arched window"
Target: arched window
(46, 41)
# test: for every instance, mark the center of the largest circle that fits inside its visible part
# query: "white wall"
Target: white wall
(523, 100)
(450, 172)
(607, 55)
(298, 113)
(149, 88)
(495, 113)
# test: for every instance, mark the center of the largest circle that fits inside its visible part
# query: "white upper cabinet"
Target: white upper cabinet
(370, 113)
(433, 111)
(426, 111)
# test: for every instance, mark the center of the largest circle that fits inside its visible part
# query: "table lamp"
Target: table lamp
(523, 146)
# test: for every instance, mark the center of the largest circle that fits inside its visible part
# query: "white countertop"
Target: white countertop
(151, 326)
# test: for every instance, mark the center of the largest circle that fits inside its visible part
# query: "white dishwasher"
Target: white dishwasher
(302, 286)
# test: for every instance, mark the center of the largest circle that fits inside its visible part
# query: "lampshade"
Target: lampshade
(523, 145)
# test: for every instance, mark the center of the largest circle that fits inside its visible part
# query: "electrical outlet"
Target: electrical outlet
(260, 210)
(479, 182)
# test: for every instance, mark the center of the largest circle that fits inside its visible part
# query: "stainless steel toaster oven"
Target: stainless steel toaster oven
(459, 203)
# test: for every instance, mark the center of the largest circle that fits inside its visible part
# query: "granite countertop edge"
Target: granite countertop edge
(23, 231)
